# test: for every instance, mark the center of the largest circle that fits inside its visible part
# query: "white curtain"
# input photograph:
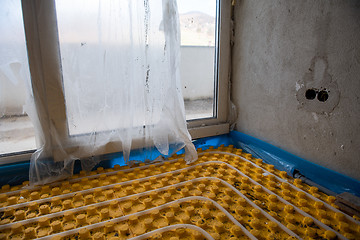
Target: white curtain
(121, 84)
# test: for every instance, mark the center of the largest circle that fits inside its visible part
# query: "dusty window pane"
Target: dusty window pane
(16, 130)
(115, 64)
(198, 47)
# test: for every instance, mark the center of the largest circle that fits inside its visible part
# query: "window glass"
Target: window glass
(16, 130)
(114, 61)
(198, 67)
(81, 29)
(198, 51)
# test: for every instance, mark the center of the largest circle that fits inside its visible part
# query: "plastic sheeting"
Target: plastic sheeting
(15, 174)
(268, 157)
(296, 166)
(120, 85)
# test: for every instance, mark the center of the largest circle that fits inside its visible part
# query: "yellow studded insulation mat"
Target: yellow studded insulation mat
(226, 194)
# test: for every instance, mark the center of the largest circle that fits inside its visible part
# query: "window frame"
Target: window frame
(218, 124)
(45, 69)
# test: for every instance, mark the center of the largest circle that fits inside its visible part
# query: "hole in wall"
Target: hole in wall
(323, 96)
(313, 91)
(310, 94)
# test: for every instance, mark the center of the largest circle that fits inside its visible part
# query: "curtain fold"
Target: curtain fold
(121, 85)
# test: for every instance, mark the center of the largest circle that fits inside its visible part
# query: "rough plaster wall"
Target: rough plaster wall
(282, 48)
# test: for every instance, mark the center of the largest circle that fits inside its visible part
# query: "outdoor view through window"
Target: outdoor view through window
(198, 41)
(16, 130)
(198, 27)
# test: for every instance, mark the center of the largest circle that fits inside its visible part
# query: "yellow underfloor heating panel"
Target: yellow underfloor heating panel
(226, 194)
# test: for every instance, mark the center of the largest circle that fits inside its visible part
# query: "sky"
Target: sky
(205, 6)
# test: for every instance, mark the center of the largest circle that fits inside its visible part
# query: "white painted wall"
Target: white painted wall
(197, 72)
(284, 47)
(12, 96)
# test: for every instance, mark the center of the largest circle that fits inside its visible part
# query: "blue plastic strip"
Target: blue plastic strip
(16, 173)
(327, 178)
(205, 143)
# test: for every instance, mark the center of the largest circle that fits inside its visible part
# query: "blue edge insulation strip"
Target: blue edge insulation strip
(16, 173)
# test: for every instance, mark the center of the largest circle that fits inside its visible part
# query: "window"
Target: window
(198, 56)
(216, 124)
(16, 130)
(47, 80)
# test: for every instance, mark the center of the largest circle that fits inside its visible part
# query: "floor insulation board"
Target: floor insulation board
(225, 194)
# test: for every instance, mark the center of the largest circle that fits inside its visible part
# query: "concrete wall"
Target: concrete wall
(284, 48)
